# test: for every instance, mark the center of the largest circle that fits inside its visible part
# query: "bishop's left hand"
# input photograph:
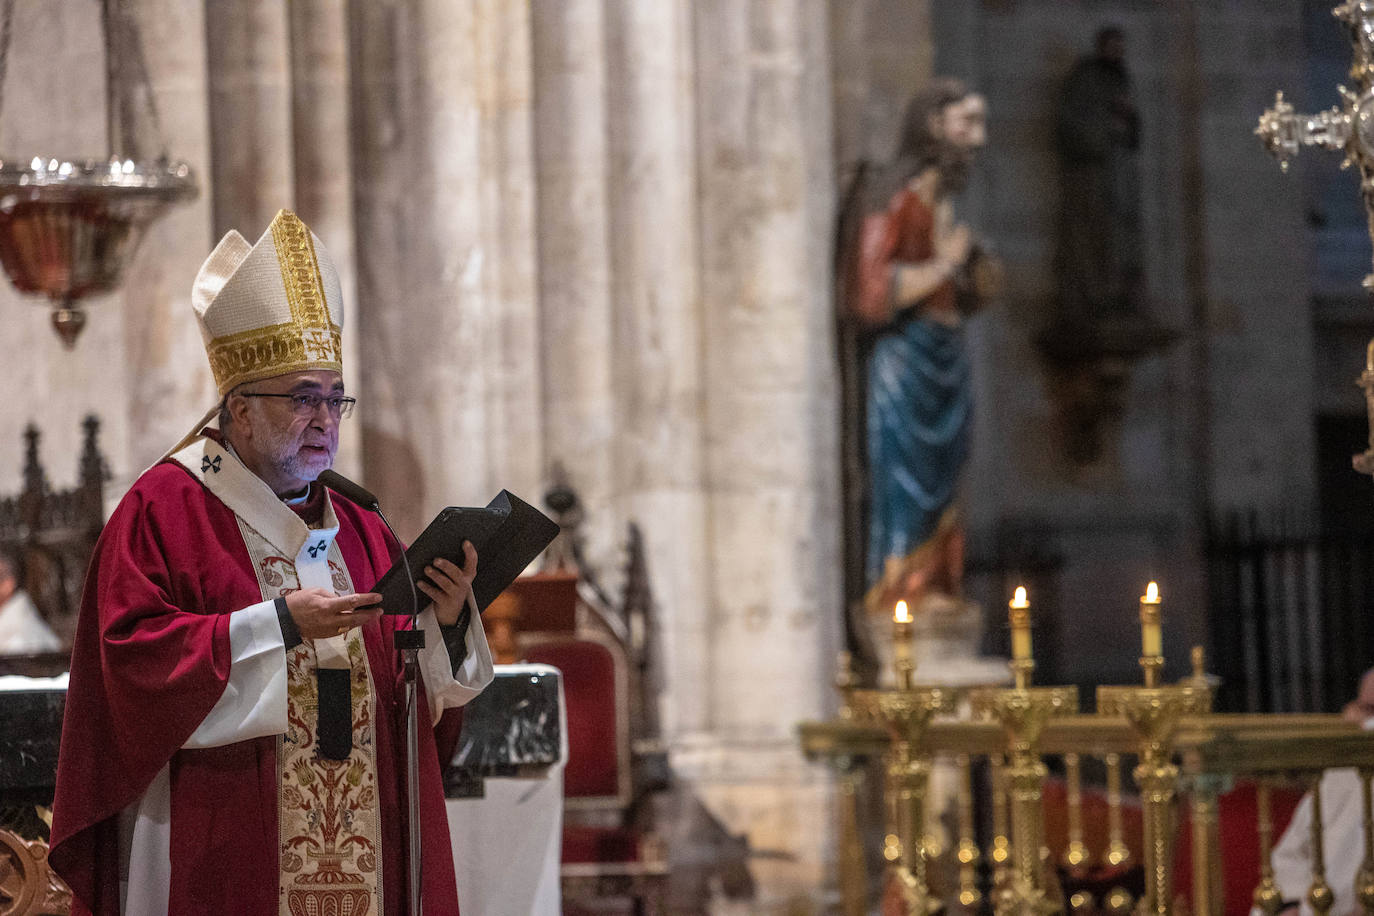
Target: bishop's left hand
(449, 586)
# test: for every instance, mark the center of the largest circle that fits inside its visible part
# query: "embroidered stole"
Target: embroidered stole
(328, 815)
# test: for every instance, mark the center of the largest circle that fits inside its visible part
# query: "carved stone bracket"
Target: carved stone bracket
(1088, 367)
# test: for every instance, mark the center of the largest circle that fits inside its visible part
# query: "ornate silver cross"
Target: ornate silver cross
(1347, 128)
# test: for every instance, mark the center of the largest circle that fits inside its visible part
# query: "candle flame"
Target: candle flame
(1019, 599)
(1152, 592)
(900, 614)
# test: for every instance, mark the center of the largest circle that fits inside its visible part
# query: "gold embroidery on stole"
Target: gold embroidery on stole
(328, 811)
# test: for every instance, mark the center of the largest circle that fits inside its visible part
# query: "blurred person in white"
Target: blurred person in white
(1342, 829)
(22, 629)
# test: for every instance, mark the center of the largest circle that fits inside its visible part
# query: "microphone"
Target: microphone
(355, 492)
(345, 487)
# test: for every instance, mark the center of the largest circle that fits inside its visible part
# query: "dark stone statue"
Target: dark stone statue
(1098, 257)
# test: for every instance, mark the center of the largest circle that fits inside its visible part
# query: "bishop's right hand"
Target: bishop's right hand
(319, 613)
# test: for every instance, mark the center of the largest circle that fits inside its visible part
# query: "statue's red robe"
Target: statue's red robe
(150, 660)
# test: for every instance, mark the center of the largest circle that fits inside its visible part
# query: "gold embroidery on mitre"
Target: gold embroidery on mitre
(309, 340)
(265, 352)
(300, 274)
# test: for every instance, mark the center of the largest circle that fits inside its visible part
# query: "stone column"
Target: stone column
(771, 457)
(570, 143)
(323, 169)
(882, 52)
(657, 338)
(169, 385)
(443, 183)
(249, 62)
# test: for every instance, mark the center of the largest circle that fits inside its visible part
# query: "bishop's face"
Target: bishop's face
(282, 443)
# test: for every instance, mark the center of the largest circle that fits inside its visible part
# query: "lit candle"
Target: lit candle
(901, 646)
(1020, 625)
(1151, 640)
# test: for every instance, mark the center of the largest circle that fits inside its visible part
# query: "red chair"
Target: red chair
(605, 854)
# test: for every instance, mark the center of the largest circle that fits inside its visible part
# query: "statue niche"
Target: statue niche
(1099, 323)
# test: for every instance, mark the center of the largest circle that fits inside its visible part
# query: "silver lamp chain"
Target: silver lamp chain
(123, 52)
(126, 78)
(6, 26)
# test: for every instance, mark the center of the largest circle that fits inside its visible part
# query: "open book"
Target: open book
(507, 534)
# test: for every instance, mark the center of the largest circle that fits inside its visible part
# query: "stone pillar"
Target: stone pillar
(248, 57)
(882, 52)
(657, 338)
(323, 169)
(169, 381)
(443, 184)
(570, 140)
(771, 457)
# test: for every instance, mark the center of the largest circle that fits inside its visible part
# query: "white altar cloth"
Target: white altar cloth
(507, 844)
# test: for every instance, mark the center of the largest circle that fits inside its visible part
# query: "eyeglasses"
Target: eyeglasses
(305, 405)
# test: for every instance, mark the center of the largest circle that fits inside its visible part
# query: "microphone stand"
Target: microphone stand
(408, 643)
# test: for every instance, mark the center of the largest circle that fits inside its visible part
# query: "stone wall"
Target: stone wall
(1221, 419)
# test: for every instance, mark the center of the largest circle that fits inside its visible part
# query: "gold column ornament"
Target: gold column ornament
(967, 850)
(1364, 878)
(1118, 853)
(853, 878)
(1203, 791)
(1076, 856)
(1268, 898)
(1319, 895)
(1001, 822)
(847, 744)
(1208, 893)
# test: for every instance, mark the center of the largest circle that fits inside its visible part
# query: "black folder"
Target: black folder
(507, 534)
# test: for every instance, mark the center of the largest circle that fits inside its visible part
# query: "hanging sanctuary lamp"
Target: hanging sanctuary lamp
(70, 226)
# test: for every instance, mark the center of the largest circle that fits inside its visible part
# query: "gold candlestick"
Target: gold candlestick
(905, 714)
(1023, 712)
(1154, 713)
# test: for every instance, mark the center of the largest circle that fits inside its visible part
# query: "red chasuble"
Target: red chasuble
(151, 659)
